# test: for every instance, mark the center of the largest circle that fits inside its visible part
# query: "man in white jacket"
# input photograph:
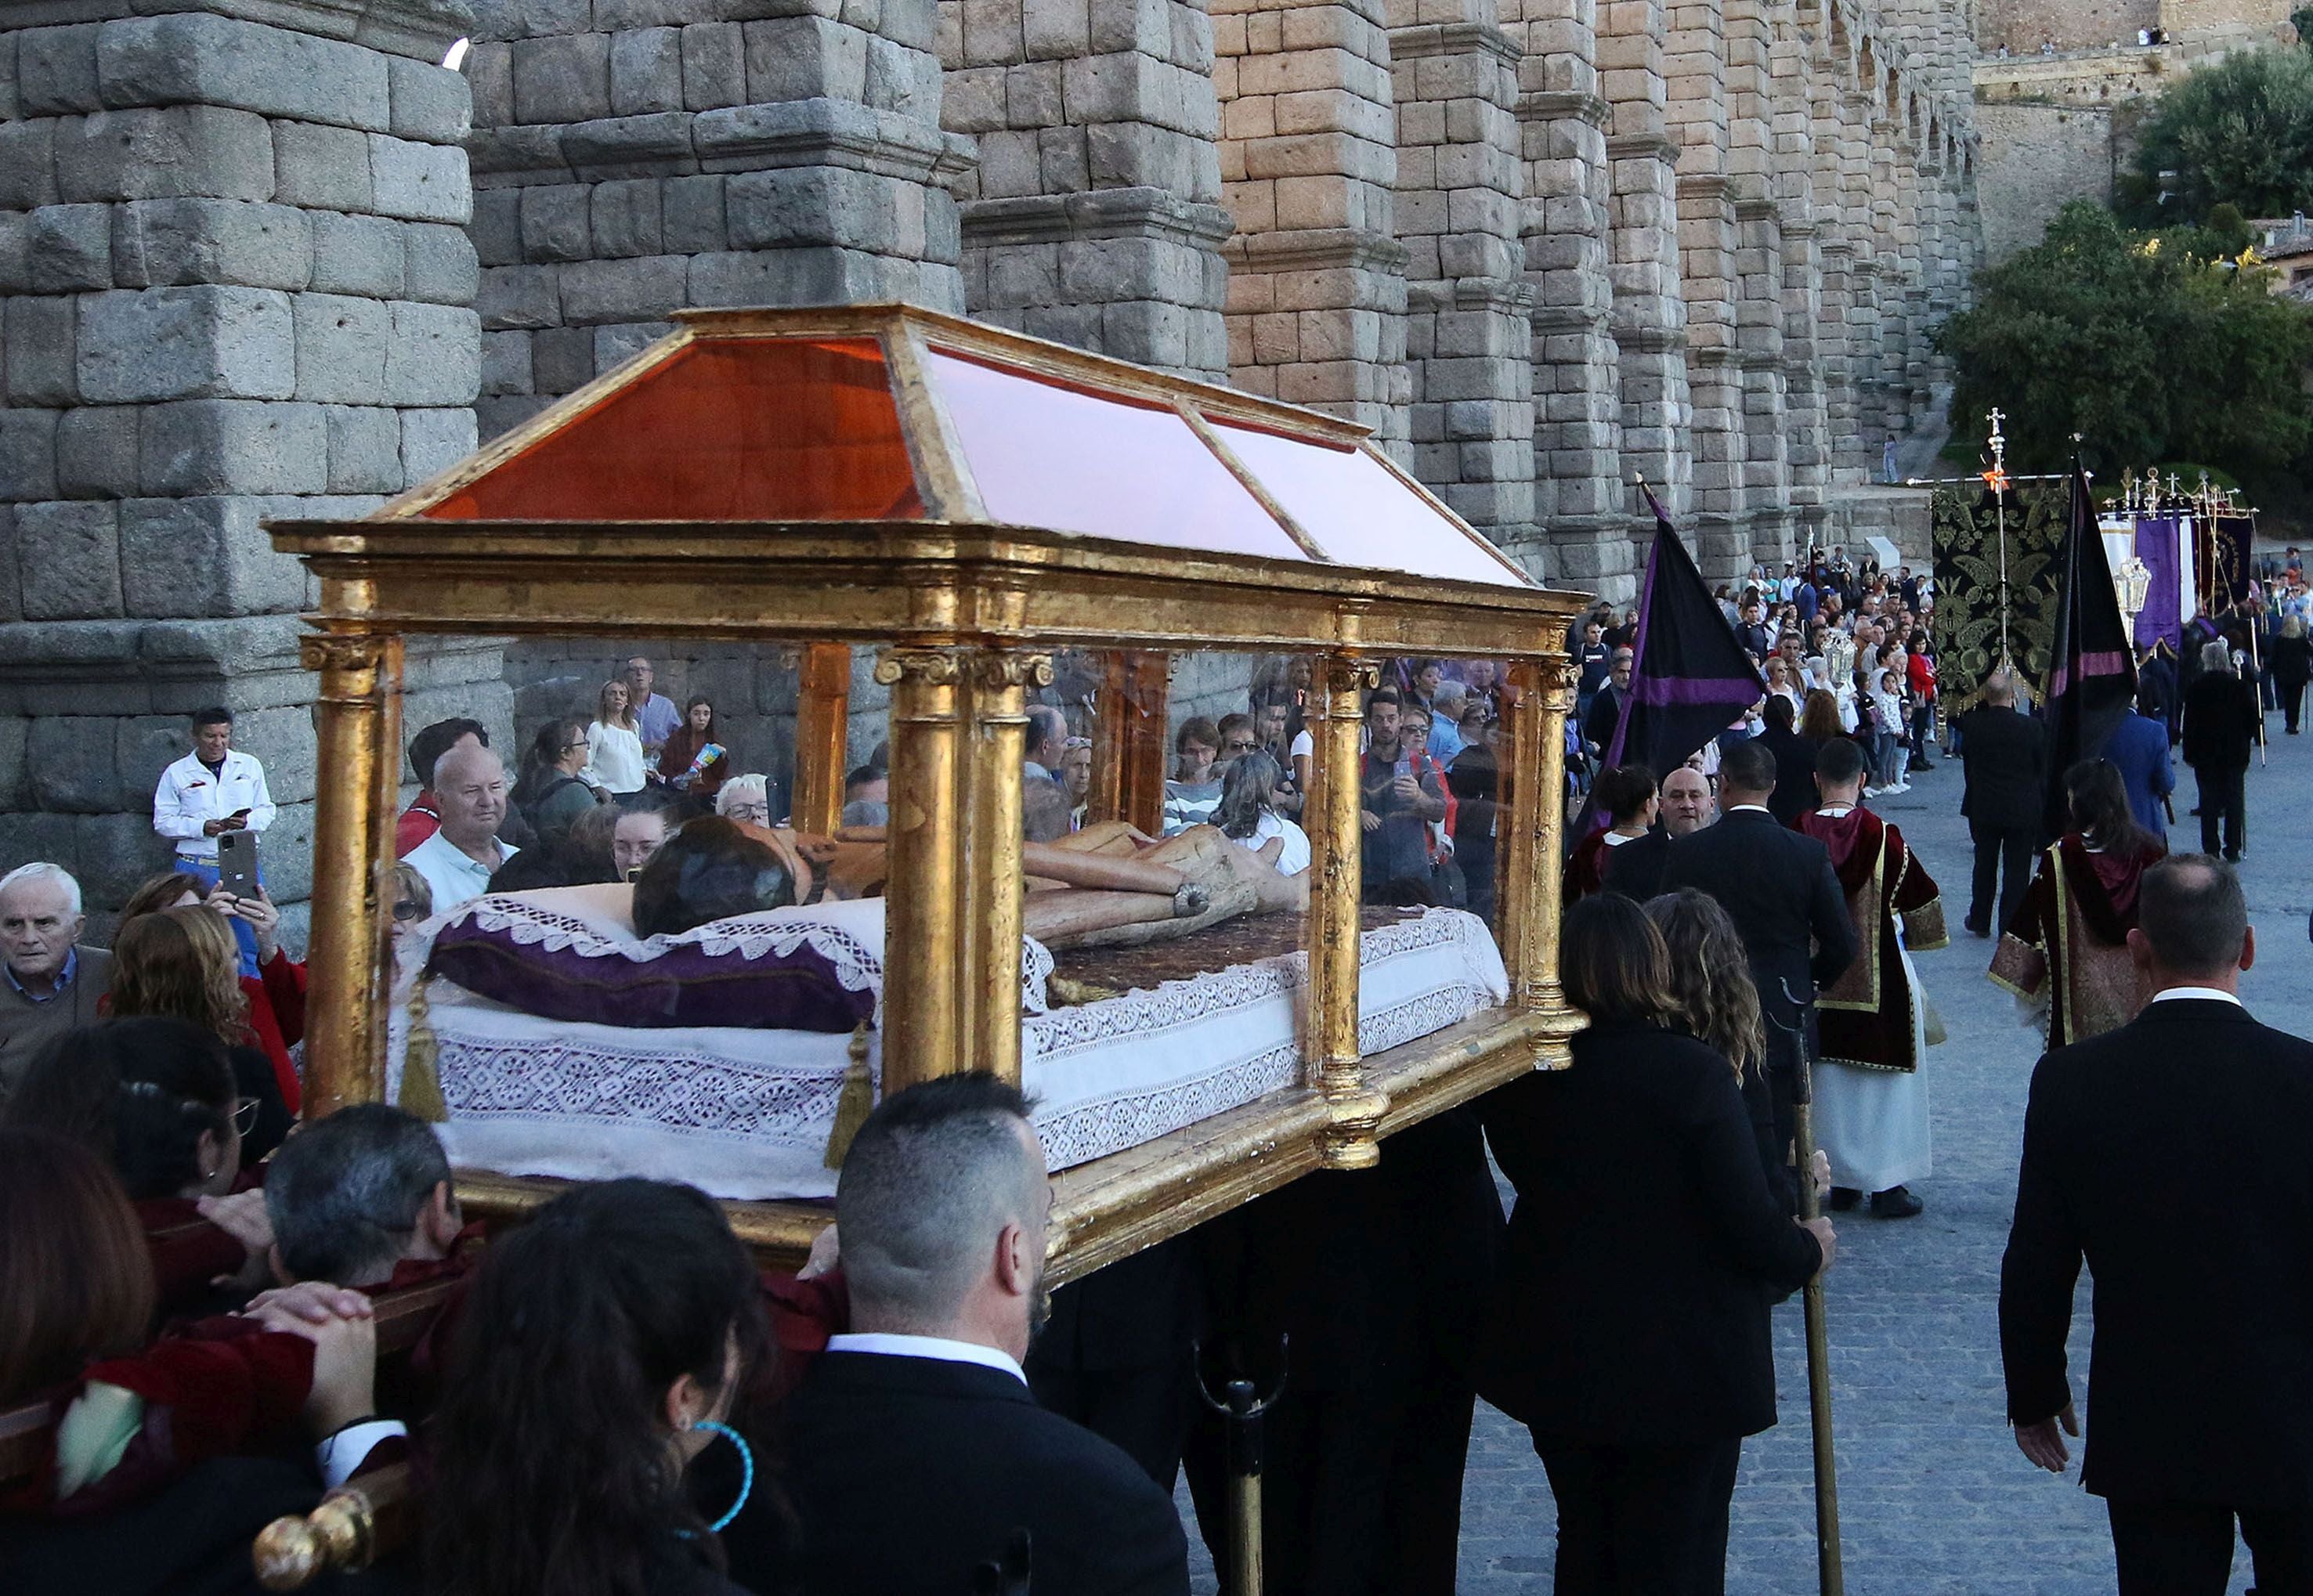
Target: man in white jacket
(214, 789)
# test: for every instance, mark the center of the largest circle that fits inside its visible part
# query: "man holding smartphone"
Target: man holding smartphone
(214, 790)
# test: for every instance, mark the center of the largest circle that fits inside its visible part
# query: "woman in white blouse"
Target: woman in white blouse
(614, 744)
(1248, 817)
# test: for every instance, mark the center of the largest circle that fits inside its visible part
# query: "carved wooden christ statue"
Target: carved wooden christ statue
(1108, 885)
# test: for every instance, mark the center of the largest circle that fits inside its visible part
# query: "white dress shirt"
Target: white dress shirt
(453, 875)
(2207, 994)
(189, 797)
(614, 758)
(935, 1347)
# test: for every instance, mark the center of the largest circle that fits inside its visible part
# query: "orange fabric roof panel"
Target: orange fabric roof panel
(724, 429)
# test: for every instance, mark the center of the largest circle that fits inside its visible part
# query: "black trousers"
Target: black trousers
(2224, 795)
(2003, 869)
(2185, 1548)
(1641, 1521)
(2292, 701)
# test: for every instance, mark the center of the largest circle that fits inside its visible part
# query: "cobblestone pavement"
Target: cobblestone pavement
(1935, 1500)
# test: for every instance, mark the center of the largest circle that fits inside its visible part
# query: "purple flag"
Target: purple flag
(2162, 619)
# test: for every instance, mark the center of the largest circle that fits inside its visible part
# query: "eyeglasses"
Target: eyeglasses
(1239, 746)
(244, 1114)
(568, 746)
(757, 812)
(409, 909)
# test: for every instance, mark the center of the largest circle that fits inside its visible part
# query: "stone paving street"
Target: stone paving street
(1934, 1496)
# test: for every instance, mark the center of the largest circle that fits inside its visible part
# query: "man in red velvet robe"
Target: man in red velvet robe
(1870, 1099)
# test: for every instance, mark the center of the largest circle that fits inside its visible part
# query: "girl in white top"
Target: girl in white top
(1248, 815)
(614, 744)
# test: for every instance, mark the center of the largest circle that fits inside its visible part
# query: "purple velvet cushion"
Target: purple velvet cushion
(747, 973)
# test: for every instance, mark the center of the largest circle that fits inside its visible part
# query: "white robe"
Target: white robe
(1873, 1124)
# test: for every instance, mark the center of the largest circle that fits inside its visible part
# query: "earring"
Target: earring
(746, 1470)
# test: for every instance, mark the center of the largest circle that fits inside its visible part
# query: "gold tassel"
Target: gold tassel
(421, 1081)
(856, 1101)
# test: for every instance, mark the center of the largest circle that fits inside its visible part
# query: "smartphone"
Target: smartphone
(237, 863)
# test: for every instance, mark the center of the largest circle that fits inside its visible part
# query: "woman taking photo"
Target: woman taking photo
(599, 1356)
(614, 744)
(552, 791)
(694, 761)
(1630, 1330)
(276, 993)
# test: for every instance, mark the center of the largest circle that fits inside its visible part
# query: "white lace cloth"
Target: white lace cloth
(745, 1113)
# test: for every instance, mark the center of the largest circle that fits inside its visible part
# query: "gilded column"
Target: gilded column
(1535, 856)
(925, 1001)
(822, 715)
(1336, 848)
(358, 716)
(990, 980)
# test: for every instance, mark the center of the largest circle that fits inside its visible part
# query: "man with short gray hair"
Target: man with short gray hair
(356, 1196)
(2169, 1155)
(943, 1206)
(49, 983)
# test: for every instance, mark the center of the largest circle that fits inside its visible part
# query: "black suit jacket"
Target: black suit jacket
(1778, 887)
(907, 1473)
(1606, 710)
(1635, 870)
(2173, 1155)
(1794, 792)
(2220, 721)
(2006, 753)
(1643, 1249)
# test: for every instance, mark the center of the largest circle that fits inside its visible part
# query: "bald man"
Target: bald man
(1635, 870)
(469, 789)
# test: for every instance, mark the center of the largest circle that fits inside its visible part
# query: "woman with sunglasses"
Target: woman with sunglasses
(158, 1098)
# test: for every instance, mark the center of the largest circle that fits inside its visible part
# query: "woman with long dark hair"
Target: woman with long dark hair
(1630, 1332)
(694, 761)
(599, 1353)
(157, 1099)
(2067, 949)
(552, 792)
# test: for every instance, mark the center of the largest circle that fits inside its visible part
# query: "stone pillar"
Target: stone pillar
(1650, 315)
(1581, 496)
(636, 156)
(1316, 301)
(1895, 329)
(1095, 215)
(1860, 448)
(1469, 309)
(1751, 161)
(1835, 249)
(236, 285)
(1695, 65)
(1805, 442)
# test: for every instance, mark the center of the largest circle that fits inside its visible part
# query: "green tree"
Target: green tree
(2146, 347)
(2238, 133)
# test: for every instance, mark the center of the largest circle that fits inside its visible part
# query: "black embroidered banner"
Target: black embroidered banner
(1966, 545)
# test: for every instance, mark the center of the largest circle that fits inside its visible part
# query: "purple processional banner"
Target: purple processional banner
(2158, 540)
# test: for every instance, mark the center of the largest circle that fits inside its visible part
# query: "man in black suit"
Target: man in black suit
(920, 1455)
(2005, 754)
(1777, 886)
(2171, 1155)
(2222, 725)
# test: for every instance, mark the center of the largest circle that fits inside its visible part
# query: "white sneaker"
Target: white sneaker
(1901, 786)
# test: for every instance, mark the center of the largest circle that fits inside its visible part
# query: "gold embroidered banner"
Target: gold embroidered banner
(1966, 545)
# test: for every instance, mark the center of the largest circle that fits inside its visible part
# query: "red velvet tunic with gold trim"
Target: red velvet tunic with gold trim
(1865, 1017)
(2070, 939)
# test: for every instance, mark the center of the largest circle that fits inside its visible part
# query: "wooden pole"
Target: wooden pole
(1831, 1576)
(1127, 763)
(358, 722)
